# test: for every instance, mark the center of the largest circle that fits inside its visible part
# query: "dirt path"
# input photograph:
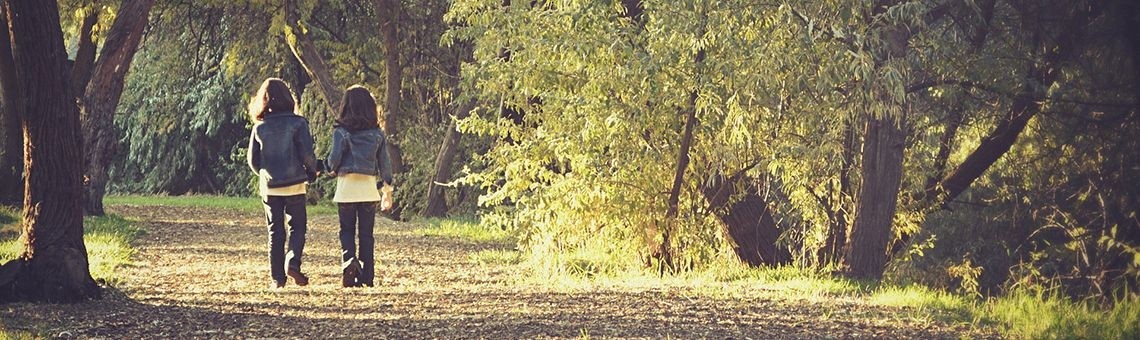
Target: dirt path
(200, 273)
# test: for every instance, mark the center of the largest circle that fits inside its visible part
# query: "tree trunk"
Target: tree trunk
(389, 13)
(945, 146)
(836, 241)
(11, 133)
(305, 51)
(436, 202)
(882, 166)
(84, 56)
(749, 222)
(53, 265)
(102, 97)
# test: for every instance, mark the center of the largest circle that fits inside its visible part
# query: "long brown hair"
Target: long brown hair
(358, 110)
(273, 96)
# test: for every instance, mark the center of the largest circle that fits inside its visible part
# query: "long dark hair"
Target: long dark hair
(358, 110)
(273, 96)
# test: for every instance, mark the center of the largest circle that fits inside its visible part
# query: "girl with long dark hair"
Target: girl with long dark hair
(281, 154)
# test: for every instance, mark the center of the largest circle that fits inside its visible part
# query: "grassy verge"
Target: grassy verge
(107, 239)
(470, 230)
(1019, 315)
(466, 229)
(249, 204)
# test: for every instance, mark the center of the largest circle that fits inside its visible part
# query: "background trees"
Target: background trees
(948, 141)
(874, 128)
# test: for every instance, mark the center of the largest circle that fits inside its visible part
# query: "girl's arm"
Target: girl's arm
(253, 153)
(383, 163)
(304, 142)
(336, 152)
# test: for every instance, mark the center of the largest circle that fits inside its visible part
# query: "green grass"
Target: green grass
(249, 204)
(495, 256)
(1029, 315)
(465, 229)
(107, 239)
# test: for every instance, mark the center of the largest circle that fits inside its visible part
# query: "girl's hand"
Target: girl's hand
(386, 198)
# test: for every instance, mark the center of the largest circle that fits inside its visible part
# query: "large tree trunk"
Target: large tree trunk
(102, 97)
(53, 265)
(389, 13)
(750, 224)
(882, 166)
(303, 48)
(11, 133)
(436, 202)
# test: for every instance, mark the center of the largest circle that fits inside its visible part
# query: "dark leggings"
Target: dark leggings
(358, 219)
(279, 211)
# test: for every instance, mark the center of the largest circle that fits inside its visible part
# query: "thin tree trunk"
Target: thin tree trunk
(836, 241)
(103, 94)
(389, 13)
(303, 48)
(11, 133)
(665, 252)
(53, 265)
(84, 56)
(945, 145)
(436, 201)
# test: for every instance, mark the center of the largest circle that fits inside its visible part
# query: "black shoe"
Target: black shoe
(299, 278)
(351, 272)
(277, 284)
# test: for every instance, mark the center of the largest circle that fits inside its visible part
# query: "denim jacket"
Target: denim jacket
(362, 152)
(283, 147)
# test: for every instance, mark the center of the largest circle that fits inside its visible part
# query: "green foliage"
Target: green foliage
(601, 101)
(183, 109)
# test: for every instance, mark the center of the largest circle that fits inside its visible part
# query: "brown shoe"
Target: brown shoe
(351, 272)
(299, 278)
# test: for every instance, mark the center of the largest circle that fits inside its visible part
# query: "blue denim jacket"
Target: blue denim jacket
(283, 147)
(362, 152)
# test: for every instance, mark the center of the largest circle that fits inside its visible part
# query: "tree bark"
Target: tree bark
(303, 48)
(53, 265)
(945, 146)
(103, 94)
(881, 168)
(833, 247)
(878, 196)
(389, 13)
(750, 224)
(84, 56)
(11, 133)
(436, 202)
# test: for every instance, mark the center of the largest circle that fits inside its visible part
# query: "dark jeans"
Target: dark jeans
(358, 218)
(279, 211)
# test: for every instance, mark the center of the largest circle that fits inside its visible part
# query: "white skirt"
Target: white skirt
(353, 187)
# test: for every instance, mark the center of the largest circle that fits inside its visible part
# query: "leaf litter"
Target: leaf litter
(202, 273)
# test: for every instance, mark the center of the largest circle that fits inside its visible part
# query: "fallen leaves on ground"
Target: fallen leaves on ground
(203, 273)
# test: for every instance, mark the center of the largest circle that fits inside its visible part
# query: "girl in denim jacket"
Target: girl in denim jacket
(281, 154)
(359, 160)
